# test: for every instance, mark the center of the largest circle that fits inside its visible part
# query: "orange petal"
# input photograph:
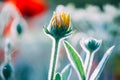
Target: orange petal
(7, 28)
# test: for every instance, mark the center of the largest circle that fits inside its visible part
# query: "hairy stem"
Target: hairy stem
(53, 61)
(89, 66)
(87, 59)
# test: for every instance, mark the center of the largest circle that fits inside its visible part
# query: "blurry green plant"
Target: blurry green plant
(6, 67)
(90, 46)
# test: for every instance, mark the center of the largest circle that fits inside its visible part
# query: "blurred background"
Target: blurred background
(22, 22)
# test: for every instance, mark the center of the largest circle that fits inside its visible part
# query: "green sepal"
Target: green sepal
(58, 32)
(46, 30)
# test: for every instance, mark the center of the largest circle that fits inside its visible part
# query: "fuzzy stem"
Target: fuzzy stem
(7, 50)
(53, 61)
(87, 59)
(89, 66)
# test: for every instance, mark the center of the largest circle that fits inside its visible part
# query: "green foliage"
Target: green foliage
(75, 59)
(77, 63)
(98, 70)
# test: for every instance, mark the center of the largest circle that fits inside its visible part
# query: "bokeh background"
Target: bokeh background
(22, 22)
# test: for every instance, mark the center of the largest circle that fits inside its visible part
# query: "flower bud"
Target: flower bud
(59, 25)
(7, 71)
(90, 45)
(19, 29)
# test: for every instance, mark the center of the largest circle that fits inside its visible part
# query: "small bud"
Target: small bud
(7, 71)
(59, 25)
(58, 76)
(90, 45)
(19, 29)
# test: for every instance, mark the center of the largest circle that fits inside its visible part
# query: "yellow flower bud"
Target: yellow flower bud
(59, 25)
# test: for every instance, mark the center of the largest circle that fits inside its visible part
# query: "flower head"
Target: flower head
(59, 25)
(90, 45)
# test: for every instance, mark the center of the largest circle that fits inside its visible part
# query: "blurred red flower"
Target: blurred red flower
(7, 28)
(30, 8)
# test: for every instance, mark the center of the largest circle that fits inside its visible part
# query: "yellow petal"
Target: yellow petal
(53, 18)
(61, 19)
(65, 20)
(55, 21)
(68, 20)
(63, 16)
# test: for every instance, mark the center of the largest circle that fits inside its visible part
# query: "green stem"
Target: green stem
(88, 63)
(87, 59)
(53, 60)
(89, 66)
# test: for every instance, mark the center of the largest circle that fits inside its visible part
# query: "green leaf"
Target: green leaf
(58, 76)
(95, 75)
(66, 72)
(75, 60)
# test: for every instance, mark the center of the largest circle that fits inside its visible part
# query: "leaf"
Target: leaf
(75, 60)
(66, 72)
(101, 65)
(58, 76)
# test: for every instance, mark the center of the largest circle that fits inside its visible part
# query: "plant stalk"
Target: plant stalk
(53, 61)
(89, 66)
(87, 59)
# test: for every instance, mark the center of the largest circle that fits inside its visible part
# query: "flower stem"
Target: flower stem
(53, 61)
(89, 66)
(87, 59)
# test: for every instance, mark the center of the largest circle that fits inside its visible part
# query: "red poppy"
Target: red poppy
(30, 8)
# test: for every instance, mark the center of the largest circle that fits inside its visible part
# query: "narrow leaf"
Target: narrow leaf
(58, 76)
(95, 75)
(66, 72)
(75, 60)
